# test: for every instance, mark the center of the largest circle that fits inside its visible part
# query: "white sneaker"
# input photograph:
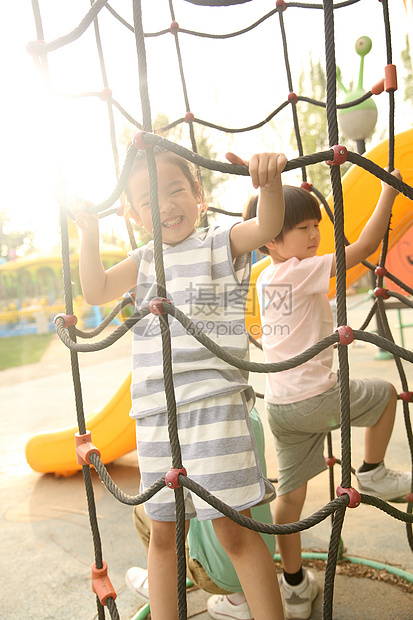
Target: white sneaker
(220, 608)
(137, 580)
(384, 483)
(298, 599)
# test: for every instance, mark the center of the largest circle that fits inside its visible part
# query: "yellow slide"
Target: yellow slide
(113, 431)
(361, 191)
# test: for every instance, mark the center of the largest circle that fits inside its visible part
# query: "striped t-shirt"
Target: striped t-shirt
(203, 282)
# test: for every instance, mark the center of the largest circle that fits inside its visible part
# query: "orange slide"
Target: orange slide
(113, 431)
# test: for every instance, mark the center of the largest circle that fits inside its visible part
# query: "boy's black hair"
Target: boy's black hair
(300, 205)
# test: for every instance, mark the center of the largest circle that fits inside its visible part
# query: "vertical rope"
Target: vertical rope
(163, 319)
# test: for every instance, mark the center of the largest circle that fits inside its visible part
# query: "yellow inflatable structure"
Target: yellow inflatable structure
(113, 431)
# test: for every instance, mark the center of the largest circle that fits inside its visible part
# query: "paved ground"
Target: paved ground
(46, 548)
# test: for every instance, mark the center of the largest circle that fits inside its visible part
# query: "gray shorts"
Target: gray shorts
(300, 429)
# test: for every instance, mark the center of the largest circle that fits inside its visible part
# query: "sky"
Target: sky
(54, 146)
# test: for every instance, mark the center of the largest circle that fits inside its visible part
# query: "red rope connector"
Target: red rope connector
(105, 94)
(381, 292)
(120, 210)
(101, 584)
(174, 27)
(155, 305)
(340, 155)
(331, 461)
(354, 495)
(281, 3)
(292, 97)
(138, 141)
(307, 186)
(346, 334)
(84, 448)
(390, 78)
(381, 272)
(69, 319)
(406, 396)
(188, 117)
(130, 296)
(409, 497)
(378, 88)
(171, 478)
(34, 47)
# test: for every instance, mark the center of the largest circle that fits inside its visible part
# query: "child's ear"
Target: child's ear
(271, 245)
(134, 216)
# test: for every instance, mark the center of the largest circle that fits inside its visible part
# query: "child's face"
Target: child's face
(177, 202)
(300, 242)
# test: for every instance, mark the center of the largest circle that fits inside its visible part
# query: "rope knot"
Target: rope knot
(381, 292)
(340, 155)
(354, 495)
(171, 478)
(69, 319)
(101, 584)
(155, 305)
(346, 334)
(380, 271)
(138, 141)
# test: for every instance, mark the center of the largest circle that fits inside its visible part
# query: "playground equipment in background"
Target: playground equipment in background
(31, 290)
(114, 431)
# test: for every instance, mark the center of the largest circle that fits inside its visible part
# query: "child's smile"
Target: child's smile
(178, 206)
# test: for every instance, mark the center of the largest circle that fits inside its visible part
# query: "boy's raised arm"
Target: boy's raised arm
(374, 230)
(265, 172)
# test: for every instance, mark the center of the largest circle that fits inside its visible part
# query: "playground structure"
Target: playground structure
(88, 454)
(31, 290)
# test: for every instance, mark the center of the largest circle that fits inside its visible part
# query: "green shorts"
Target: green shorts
(300, 429)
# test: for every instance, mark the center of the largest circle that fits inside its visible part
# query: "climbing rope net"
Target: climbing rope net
(335, 155)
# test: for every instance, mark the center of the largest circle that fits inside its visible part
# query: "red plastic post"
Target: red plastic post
(174, 27)
(139, 143)
(105, 94)
(346, 334)
(84, 448)
(381, 272)
(378, 88)
(390, 78)
(354, 495)
(188, 117)
(381, 292)
(292, 97)
(171, 478)
(101, 584)
(406, 396)
(155, 305)
(331, 461)
(69, 319)
(281, 3)
(33, 47)
(307, 186)
(340, 155)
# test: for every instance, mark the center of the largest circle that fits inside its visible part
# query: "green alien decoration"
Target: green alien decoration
(358, 122)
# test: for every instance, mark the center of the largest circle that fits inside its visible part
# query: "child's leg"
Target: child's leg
(162, 570)
(377, 437)
(254, 565)
(288, 509)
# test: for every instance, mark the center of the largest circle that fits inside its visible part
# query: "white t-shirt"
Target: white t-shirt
(296, 314)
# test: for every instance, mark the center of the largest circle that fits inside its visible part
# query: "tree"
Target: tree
(13, 242)
(408, 72)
